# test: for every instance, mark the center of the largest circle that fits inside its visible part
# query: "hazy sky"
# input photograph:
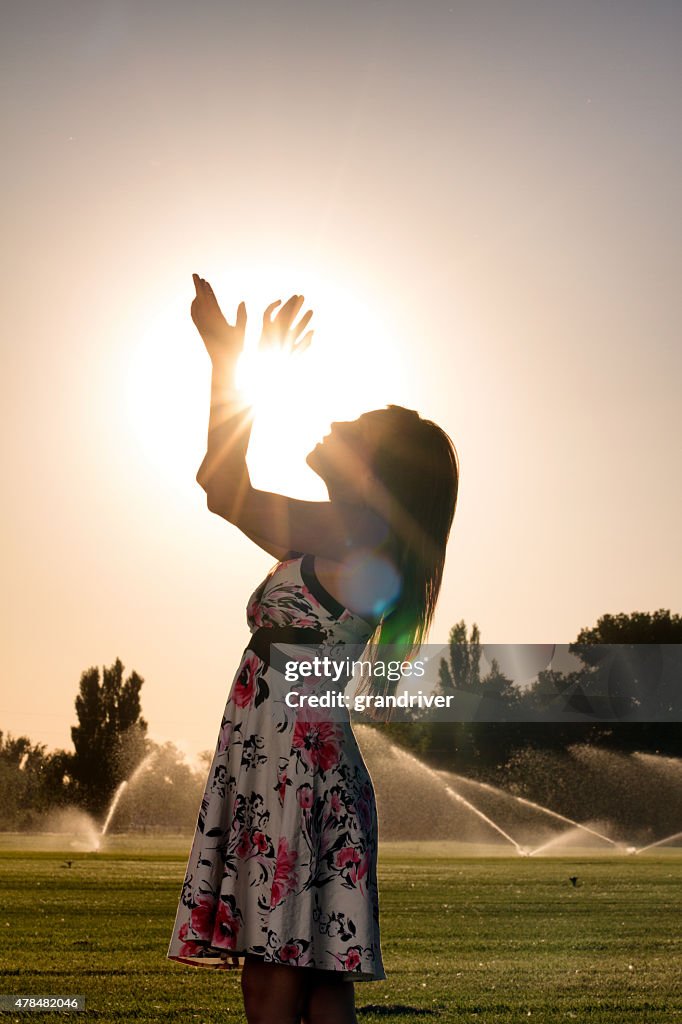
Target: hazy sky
(480, 201)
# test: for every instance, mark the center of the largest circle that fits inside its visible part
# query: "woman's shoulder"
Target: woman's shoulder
(360, 584)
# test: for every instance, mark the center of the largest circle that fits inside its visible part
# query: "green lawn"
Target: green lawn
(488, 939)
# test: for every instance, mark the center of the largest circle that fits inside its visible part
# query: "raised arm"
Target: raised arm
(229, 426)
(229, 431)
(332, 530)
(275, 522)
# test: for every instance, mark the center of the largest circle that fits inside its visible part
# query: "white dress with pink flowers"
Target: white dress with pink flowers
(284, 859)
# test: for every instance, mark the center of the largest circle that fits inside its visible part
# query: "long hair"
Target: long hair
(416, 469)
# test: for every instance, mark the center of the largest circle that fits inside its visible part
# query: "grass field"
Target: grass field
(488, 939)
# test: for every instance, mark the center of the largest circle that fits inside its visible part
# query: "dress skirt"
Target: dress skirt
(283, 864)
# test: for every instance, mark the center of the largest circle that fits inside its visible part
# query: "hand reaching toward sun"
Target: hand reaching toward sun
(278, 334)
(222, 340)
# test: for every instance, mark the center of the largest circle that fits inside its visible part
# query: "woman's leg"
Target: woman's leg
(273, 993)
(329, 1000)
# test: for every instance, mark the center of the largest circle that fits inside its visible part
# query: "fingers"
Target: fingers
(278, 331)
(302, 345)
(289, 311)
(268, 311)
(280, 325)
(302, 324)
(202, 286)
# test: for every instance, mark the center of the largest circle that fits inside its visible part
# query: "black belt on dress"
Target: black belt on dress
(264, 636)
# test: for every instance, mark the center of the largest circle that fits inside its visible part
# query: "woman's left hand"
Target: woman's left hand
(223, 341)
(279, 335)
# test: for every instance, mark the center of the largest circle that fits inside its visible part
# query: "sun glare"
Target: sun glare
(167, 389)
(259, 378)
(351, 366)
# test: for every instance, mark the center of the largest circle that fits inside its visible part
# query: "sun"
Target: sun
(352, 365)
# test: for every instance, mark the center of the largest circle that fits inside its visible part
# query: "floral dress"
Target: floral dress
(284, 859)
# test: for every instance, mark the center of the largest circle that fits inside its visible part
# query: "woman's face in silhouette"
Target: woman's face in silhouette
(343, 459)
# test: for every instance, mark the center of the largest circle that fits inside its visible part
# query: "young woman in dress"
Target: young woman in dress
(281, 877)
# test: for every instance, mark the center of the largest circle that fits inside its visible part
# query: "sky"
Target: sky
(481, 204)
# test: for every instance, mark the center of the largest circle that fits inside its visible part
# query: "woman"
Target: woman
(281, 876)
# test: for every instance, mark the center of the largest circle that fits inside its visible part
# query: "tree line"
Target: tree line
(110, 739)
(110, 743)
(537, 759)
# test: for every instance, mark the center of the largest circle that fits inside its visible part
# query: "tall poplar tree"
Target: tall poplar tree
(110, 739)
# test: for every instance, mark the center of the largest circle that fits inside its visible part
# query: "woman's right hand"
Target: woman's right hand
(278, 334)
(223, 341)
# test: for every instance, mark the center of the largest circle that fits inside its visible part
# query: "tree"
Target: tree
(110, 740)
(487, 740)
(59, 787)
(23, 795)
(636, 628)
(641, 674)
(463, 671)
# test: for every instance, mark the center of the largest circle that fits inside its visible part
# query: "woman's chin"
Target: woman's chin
(316, 461)
(312, 459)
